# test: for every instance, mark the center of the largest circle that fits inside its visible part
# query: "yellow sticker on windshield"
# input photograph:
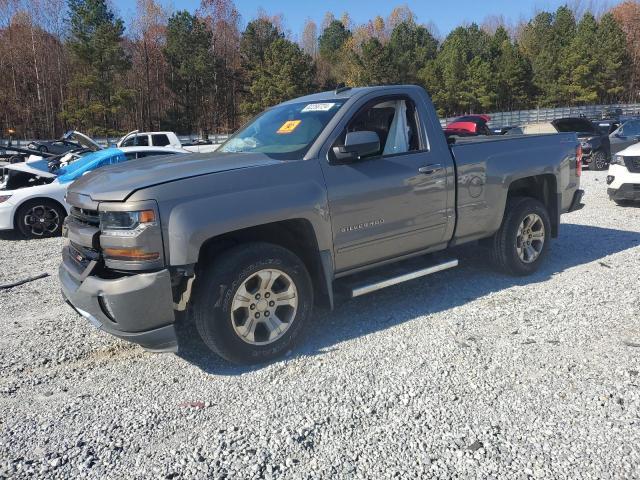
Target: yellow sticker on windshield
(289, 126)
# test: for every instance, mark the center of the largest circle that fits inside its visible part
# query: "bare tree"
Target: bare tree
(309, 40)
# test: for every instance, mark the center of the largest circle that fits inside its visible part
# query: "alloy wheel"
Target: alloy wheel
(530, 238)
(42, 220)
(264, 307)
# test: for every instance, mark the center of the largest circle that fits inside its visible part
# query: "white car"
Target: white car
(164, 139)
(32, 195)
(623, 180)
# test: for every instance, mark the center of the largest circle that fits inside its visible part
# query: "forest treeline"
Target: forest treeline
(73, 64)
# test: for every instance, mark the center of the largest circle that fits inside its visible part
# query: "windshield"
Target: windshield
(285, 132)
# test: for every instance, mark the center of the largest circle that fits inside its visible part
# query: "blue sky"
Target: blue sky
(446, 15)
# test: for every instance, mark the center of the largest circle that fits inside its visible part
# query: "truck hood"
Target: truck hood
(117, 182)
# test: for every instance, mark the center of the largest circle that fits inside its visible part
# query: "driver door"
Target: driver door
(394, 201)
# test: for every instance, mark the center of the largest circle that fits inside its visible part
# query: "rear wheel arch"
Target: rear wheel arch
(543, 188)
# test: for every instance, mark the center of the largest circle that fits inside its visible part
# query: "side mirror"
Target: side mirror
(357, 145)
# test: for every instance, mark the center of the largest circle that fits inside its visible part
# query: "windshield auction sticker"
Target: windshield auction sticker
(289, 126)
(318, 107)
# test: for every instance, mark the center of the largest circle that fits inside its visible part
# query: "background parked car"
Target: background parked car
(32, 193)
(71, 140)
(623, 180)
(469, 125)
(164, 139)
(596, 147)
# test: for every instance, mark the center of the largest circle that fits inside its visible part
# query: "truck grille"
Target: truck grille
(633, 164)
(86, 217)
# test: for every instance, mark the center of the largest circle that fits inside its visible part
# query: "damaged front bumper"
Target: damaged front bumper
(137, 308)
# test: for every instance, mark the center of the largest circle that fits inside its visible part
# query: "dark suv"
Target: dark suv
(596, 147)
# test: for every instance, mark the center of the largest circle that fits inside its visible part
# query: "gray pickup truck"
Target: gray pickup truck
(347, 191)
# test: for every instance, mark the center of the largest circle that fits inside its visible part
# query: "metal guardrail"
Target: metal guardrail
(520, 117)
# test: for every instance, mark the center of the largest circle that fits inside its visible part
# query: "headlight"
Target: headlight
(131, 239)
(617, 160)
(4, 198)
(127, 224)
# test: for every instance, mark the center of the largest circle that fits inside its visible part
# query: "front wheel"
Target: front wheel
(40, 218)
(252, 303)
(522, 242)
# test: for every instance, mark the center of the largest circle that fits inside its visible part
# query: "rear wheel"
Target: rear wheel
(253, 303)
(40, 218)
(522, 242)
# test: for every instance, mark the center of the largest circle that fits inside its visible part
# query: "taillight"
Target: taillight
(579, 160)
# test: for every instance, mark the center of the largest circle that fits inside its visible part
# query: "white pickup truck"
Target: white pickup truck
(163, 139)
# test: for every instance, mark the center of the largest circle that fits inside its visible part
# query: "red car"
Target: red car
(469, 125)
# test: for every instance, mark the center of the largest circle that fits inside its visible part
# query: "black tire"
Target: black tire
(599, 161)
(43, 149)
(622, 203)
(504, 244)
(29, 215)
(216, 288)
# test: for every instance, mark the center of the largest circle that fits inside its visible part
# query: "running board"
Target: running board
(364, 288)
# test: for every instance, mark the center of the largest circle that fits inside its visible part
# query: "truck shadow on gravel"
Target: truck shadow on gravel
(474, 278)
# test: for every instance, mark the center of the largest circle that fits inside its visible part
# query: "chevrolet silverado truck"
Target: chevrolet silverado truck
(343, 192)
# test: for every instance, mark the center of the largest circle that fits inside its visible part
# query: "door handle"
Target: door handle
(430, 169)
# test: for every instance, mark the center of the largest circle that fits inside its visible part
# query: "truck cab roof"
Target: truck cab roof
(347, 93)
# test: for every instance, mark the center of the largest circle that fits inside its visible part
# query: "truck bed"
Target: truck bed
(486, 166)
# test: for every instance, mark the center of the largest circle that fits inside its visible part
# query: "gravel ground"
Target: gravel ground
(465, 374)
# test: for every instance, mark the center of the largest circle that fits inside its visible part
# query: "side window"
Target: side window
(632, 129)
(395, 122)
(153, 154)
(137, 141)
(160, 140)
(130, 156)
